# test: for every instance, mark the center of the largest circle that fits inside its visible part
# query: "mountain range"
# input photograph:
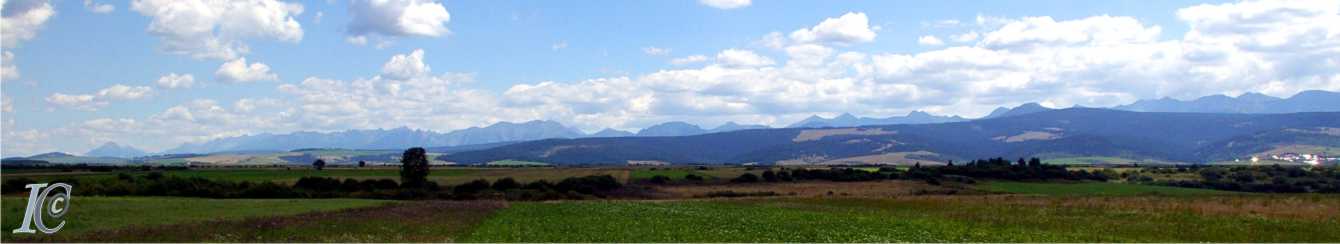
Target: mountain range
(849, 120)
(1250, 103)
(508, 132)
(1060, 133)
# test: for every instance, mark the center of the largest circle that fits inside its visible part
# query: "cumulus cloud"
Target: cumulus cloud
(101, 98)
(405, 66)
(930, 41)
(22, 19)
(207, 29)
(725, 4)
(393, 18)
(6, 105)
(966, 37)
(850, 28)
(656, 51)
(742, 58)
(8, 71)
(1044, 31)
(100, 8)
(238, 71)
(688, 60)
(174, 80)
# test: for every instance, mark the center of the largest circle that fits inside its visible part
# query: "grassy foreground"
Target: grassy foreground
(89, 214)
(932, 219)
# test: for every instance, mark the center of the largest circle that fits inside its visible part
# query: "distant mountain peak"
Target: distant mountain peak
(1249, 102)
(611, 132)
(52, 155)
(112, 149)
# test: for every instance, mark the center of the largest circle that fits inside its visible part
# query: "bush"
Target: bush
(471, 188)
(16, 185)
(659, 179)
(693, 177)
(745, 178)
(505, 184)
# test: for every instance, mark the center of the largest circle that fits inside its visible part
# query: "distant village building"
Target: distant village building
(647, 163)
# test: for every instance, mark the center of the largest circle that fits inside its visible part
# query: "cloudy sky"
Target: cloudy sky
(157, 73)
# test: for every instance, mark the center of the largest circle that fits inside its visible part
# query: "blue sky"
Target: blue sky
(593, 64)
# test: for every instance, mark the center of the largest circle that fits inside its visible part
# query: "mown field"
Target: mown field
(90, 214)
(809, 211)
(910, 219)
(445, 176)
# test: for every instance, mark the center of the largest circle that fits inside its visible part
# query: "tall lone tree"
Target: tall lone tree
(319, 164)
(414, 168)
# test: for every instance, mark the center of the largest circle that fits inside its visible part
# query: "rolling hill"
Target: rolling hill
(1179, 137)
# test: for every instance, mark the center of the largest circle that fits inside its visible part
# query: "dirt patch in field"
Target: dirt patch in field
(419, 221)
(1029, 136)
(813, 135)
(900, 158)
(873, 189)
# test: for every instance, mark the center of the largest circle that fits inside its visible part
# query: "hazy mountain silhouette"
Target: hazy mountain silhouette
(1250, 103)
(111, 149)
(849, 120)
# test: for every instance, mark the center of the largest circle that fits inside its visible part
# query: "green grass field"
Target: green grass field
(868, 220)
(89, 214)
(1093, 189)
(1100, 160)
(673, 173)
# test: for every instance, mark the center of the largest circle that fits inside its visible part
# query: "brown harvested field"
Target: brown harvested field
(421, 221)
(816, 134)
(866, 189)
(532, 174)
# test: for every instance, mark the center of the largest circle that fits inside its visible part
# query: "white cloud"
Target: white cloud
(966, 37)
(725, 4)
(393, 18)
(405, 66)
(174, 80)
(6, 105)
(944, 23)
(930, 41)
(850, 28)
(8, 71)
(1046, 32)
(558, 46)
(22, 19)
(357, 40)
(742, 58)
(688, 60)
(207, 29)
(774, 40)
(124, 92)
(656, 51)
(238, 71)
(100, 8)
(101, 98)
(81, 102)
